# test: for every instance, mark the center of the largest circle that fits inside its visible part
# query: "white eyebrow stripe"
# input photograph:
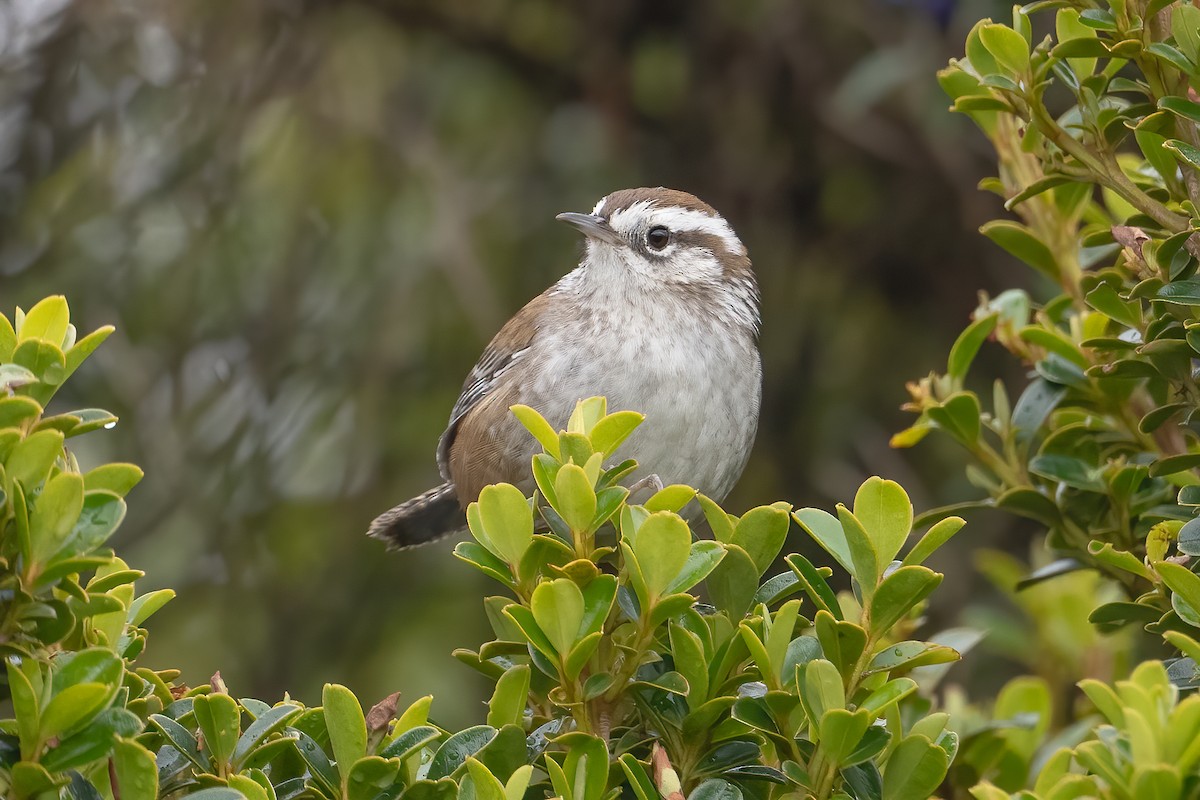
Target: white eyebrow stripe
(600, 206)
(686, 219)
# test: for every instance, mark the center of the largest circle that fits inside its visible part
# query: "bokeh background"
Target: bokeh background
(306, 219)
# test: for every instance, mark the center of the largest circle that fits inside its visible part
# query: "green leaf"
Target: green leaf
(1104, 298)
(16, 411)
(507, 520)
(958, 415)
(1105, 553)
(862, 551)
(487, 786)
(485, 561)
(346, 725)
(732, 584)
(47, 320)
(1182, 108)
(777, 588)
(31, 780)
(662, 548)
(703, 558)
(54, 516)
(8, 339)
(1066, 469)
(597, 602)
(146, 605)
(814, 584)
(1185, 27)
(612, 430)
(934, 538)
(1034, 406)
(821, 688)
(967, 345)
(219, 719)
(30, 460)
(1020, 242)
(257, 732)
(1008, 47)
(1181, 580)
(1055, 341)
(915, 769)
(1070, 31)
(84, 348)
(524, 620)
(92, 665)
(898, 594)
(1183, 292)
(44, 360)
(670, 498)
(841, 642)
(102, 514)
(800, 650)
(639, 781)
(14, 376)
(1174, 464)
(1031, 504)
(72, 708)
(318, 763)
(508, 702)
(886, 514)
(826, 531)
(716, 789)
(137, 772)
(367, 776)
(1186, 153)
(908, 655)
(1188, 538)
(410, 741)
(93, 742)
(720, 522)
(870, 745)
(586, 765)
(576, 500)
(454, 751)
(181, 739)
(537, 425)
(761, 532)
(688, 653)
(558, 609)
(249, 787)
(841, 731)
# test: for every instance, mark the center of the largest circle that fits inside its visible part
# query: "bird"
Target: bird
(661, 316)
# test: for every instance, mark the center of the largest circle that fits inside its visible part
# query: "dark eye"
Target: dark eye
(658, 237)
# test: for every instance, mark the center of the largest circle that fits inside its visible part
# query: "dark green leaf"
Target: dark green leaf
(454, 751)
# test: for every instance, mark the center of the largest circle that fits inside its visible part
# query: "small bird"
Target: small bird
(661, 316)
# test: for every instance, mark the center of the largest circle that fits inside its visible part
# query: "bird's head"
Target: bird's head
(662, 235)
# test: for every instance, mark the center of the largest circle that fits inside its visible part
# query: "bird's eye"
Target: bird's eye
(658, 237)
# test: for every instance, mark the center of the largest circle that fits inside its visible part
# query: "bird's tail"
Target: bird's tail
(424, 518)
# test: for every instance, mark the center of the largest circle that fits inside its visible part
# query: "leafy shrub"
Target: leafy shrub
(610, 676)
(1096, 133)
(1095, 130)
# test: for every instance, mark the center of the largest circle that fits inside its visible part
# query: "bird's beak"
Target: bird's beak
(592, 225)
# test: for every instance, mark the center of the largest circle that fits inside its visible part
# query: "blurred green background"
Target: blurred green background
(306, 219)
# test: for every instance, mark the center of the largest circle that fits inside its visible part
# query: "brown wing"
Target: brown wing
(472, 448)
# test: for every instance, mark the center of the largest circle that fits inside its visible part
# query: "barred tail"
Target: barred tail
(424, 518)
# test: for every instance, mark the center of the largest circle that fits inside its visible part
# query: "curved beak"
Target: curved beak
(592, 226)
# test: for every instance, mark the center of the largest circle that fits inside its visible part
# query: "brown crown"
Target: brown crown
(659, 196)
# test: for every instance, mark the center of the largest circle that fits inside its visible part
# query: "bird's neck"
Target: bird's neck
(606, 280)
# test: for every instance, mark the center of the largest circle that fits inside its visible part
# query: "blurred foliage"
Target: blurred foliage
(307, 218)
